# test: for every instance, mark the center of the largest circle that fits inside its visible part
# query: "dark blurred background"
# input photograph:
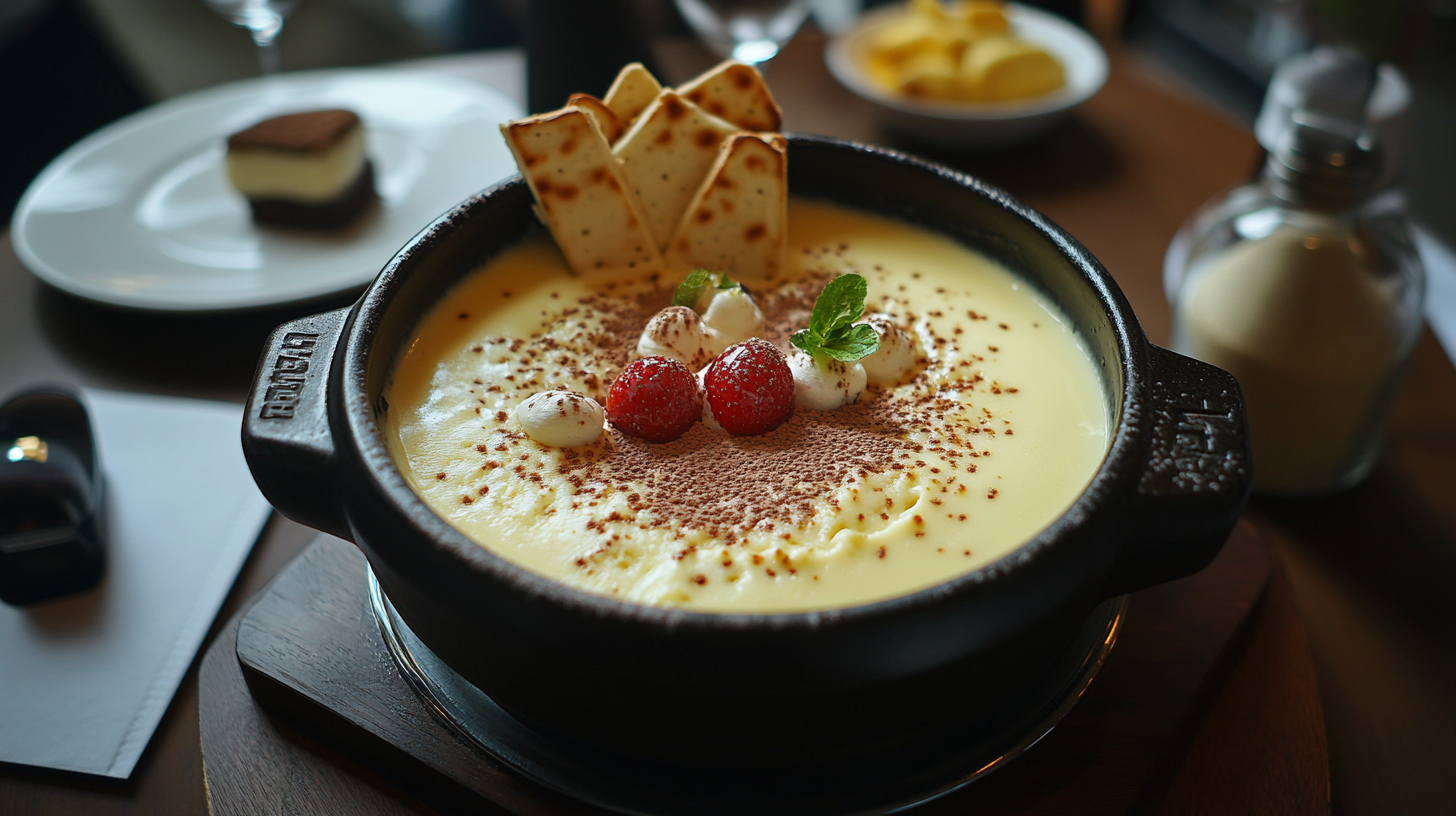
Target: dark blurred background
(1225, 50)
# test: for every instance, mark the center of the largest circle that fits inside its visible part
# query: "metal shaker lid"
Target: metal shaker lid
(1338, 81)
(1324, 162)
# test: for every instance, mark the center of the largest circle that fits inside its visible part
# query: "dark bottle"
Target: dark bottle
(578, 47)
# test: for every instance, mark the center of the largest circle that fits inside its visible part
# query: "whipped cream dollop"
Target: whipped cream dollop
(677, 332)
(896, 355)
(730, 318)
(561, 419)
(708, 420)
(823, 383)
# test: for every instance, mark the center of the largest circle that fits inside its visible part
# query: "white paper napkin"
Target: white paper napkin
(1440, 263)
(84, 681)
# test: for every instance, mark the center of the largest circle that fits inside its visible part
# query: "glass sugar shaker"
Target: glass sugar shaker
(1310, 295)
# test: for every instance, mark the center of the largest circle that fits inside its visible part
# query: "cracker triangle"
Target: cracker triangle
(607, 120)
(665, 155)
(632, 91)
(736, 92)
(738, 218)
(580, 193)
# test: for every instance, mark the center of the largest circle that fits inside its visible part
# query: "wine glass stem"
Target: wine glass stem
(270, 58)
(265, 29)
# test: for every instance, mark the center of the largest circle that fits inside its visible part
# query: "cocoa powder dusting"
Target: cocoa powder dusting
(709, 480)
(726, 485)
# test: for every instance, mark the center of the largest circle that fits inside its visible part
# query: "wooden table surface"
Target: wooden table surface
(1370, 573)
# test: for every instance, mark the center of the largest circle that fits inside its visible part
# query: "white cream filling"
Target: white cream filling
(310, 178)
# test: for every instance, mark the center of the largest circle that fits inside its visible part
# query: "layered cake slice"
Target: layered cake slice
(303, 169)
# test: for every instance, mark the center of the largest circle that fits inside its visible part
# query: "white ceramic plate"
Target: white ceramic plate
(975, 125)
(140, 214)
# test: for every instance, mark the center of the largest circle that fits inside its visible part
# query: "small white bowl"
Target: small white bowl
(974, 125)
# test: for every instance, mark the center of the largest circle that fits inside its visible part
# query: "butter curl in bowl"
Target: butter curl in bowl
(968, 75)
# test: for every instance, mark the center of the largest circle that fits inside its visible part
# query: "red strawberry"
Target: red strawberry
(750, 389)
(655, 398)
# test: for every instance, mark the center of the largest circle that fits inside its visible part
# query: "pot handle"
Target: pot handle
(1196, 477)
(286, 436)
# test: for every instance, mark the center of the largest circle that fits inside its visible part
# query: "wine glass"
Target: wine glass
(264, 21)
(750, 31)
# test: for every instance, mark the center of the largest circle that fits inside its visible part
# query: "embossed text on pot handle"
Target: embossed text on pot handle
(286, 436)
(1196, 477)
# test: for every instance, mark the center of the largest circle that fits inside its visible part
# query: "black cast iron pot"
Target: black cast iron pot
(758, 693)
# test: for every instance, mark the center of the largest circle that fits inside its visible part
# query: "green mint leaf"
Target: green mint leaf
(690, 290)
(840, 304)
(832, 331)
(851, 343)
(805, 341)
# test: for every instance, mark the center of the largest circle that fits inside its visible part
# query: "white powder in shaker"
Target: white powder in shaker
(1313, 338)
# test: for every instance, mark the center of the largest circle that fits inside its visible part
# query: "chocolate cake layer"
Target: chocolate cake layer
(337, 212)
(309, 132)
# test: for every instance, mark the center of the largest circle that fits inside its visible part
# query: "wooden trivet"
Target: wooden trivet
(1115, 752)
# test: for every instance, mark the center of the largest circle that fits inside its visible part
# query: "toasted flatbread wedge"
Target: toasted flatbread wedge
(738, 219)
(580, 193)
(607, 120)
(632, 91)
(735, 92)
(665, 155)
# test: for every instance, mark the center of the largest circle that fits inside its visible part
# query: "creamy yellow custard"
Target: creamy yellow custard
(993, 435)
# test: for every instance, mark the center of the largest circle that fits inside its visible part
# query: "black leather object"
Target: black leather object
(51, 512)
